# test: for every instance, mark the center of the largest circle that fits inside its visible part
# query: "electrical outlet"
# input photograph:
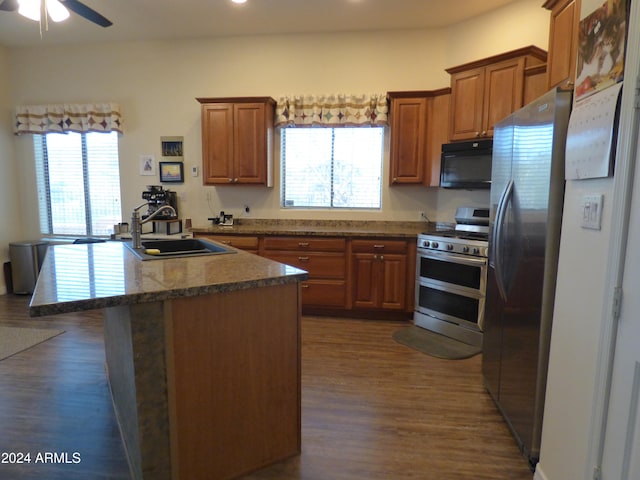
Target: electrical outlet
(194, 171)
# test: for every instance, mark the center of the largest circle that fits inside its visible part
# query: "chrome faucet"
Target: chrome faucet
(137, 222)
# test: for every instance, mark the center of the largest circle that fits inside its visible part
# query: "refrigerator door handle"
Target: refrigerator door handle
(493, 250)
(498, 238)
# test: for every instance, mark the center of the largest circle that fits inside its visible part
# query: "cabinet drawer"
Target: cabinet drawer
(319, 265)
(323, 293)
(237, 241)
(305, 244)
(378, 246)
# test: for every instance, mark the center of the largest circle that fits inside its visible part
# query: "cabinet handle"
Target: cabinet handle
(378, 246)
(381, 257)
(303, 259)
(226, 242)
(304, 285)
(484, 133)
(303, 244)
(477, 134)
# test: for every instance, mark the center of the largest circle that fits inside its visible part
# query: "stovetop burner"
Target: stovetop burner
(469, 237)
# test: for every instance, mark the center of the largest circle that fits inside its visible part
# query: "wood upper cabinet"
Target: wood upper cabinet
(417, 135)
(485, 91)
(563, 42)
(237, 140)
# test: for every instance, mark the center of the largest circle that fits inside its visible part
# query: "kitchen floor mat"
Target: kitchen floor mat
(434, 344)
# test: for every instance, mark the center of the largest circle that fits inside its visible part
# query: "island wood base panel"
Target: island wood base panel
(207, 387)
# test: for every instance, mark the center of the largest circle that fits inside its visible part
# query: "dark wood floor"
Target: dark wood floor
(371, 408)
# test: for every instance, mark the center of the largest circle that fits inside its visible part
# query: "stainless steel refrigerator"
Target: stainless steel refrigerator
(527, 193)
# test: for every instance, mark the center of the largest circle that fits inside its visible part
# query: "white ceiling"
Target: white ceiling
(181, 19)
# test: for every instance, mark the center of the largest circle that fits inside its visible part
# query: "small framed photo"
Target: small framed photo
(172, 172)
(147, 165)
(172, 149)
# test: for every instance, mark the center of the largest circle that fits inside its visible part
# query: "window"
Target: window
(78, 183)
(332, 167)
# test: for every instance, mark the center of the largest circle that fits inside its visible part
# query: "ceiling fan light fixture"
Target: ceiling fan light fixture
(56, 10)
(29, 9)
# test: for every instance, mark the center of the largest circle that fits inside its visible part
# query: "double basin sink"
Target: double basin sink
(186, 247)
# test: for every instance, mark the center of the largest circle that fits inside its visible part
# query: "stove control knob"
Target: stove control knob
(434, 244)
(425, 243)
(476, 251)
(465, 249)
(449, 247)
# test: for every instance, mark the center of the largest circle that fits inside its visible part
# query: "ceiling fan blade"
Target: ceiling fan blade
(9, 5)
(86, 12)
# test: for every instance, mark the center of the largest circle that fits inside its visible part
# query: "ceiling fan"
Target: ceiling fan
(56, 9)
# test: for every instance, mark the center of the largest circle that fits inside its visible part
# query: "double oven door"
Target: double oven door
(450, 293)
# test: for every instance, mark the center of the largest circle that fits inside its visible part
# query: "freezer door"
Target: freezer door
(500, 180)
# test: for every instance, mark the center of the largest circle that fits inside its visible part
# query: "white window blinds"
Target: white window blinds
(332, 167)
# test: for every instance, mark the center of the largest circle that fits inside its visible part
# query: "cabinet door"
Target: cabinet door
(438, 133)
(563, 42)
(249, 143)
(467, 92)
(503, 92)
(217, 143)
(363, 278)
(393, 281)
(408, 130)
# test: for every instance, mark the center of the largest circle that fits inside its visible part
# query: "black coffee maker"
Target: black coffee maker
(156, 197)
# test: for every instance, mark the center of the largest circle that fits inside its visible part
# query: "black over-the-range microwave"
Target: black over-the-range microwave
(466, 164)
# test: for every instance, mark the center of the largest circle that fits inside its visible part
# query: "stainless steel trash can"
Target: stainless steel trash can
(26, 260)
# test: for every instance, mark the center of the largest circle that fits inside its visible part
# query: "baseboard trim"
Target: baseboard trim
(539, 474)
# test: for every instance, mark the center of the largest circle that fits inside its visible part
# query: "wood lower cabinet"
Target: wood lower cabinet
(379, 274)
(345, 273)
(237, 140)
(243, 242)
(325, 260)
(563, 42)
(483, 92)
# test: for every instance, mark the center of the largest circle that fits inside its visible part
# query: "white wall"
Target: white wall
(578, 317)
(518, 24)
(156, 84)
(11, 223)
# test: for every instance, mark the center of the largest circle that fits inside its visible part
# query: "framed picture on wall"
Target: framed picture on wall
(171, 172)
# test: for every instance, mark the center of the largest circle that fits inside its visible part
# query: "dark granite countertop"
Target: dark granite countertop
(99, 275)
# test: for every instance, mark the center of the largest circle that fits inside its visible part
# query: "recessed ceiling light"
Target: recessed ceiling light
(239, 1)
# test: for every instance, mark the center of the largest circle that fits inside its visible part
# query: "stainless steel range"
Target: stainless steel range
(451, 277)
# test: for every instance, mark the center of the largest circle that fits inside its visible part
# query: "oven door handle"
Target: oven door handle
(498, 237)
(454, 258)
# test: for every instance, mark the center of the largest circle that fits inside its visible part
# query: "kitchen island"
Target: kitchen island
(202, 354)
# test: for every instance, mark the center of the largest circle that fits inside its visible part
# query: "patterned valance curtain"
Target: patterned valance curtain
(333, 110)
(81, 118)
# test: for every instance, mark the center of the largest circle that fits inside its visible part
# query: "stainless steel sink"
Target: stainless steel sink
(182, 248)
